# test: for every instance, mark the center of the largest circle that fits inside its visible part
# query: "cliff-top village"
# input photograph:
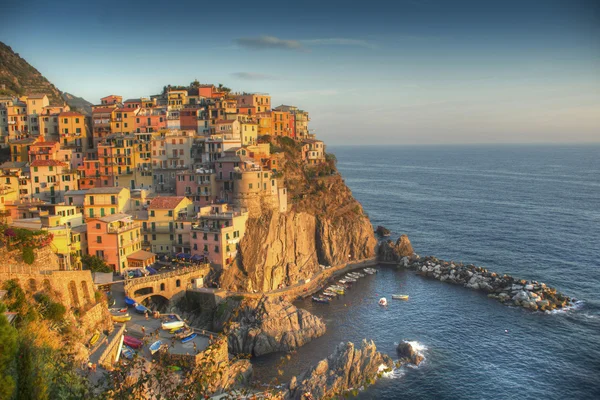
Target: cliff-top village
(169, 175)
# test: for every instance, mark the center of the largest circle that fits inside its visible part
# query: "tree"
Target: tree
(8, 350)
(28, 255)
(95, 264)
(195, 84)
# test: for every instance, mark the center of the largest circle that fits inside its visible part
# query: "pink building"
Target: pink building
(199, 185)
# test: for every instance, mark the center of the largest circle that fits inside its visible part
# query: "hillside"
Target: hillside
(18, 77)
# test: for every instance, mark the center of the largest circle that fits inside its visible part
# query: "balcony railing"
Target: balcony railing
(125, 228)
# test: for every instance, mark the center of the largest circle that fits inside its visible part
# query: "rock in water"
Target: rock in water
(269, 325)
(391, 252)
(407, 351)
(382, 231)
(347, 368)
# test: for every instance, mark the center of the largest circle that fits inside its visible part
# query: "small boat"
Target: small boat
(342, 281)
(128, 352)
(189, 338)
(172, 324)
(400, 296)
(140, 309)
(154, 347)
(184, 333)
(383, 301)
(132, 342)
(174, 368)
(336, 290)
(350, 279)
(94, 339)
(176, 330)
(110, 301)
(121, 318)
(320, 299)
(130, 302)
(329, 294)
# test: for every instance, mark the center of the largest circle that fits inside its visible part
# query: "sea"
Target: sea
(532, 211)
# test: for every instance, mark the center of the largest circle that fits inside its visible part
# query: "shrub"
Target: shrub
(55, 312)
(28, 255)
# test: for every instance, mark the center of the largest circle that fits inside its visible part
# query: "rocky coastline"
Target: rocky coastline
(348, 368)
(268, 325)
(511, 291)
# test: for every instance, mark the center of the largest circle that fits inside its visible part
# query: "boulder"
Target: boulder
(347, 368)
(390, 252)
(382, 231)
(407, 351)
(521, 296)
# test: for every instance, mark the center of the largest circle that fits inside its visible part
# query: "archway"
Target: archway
(86, 293)
(143, 291)
(73, 294)
(156, 302)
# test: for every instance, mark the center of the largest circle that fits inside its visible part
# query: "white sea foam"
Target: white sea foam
(418, 346)
(395, 373)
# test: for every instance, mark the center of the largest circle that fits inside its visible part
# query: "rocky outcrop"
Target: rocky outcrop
(382, 231)
(346, 369)
(532, 295)
(324, 225)
(390, 252)
(258, 327)
(408, 353)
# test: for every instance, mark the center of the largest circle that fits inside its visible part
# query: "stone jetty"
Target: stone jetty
(532, 295)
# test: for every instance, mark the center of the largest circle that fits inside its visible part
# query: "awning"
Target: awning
(141, 255)
(102, 278)
(197, 257)
(185, 256)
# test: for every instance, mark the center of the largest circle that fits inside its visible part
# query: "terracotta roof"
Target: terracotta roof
(48, 163)
(165, 202)
(36, 95)
(141, 255)
(70, 114)
(103, 109)
(44, 144)
(225, 121)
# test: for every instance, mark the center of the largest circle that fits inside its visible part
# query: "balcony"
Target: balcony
(125, 228)
(130, 242)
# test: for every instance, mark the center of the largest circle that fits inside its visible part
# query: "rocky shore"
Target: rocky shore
(348, 368)
(532, 295)
(268, 325)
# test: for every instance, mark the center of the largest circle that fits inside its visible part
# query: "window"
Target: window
(97, 226)
(216, 249)
(152, 214)
(170, 213)
(216, 237)
(98, 239)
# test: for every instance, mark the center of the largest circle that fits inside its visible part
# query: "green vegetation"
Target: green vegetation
(28, 255)
(94, 264)
(8, 350)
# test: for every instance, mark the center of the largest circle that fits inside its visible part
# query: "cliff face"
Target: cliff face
(347, 368)
(324, 225)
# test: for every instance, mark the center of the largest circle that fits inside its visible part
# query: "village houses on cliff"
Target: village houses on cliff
(173, 174)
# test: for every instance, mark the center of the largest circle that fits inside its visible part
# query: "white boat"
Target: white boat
(172, 324)
(350, 279)
(383, 301)
(400, 296)
(329, 294)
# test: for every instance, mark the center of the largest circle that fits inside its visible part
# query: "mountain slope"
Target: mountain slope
(18, 78)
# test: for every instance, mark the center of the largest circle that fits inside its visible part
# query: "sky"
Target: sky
(368, 72)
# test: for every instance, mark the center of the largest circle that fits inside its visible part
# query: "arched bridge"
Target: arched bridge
(167, 285)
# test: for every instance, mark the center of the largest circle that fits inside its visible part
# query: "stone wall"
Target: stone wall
(73, 288)
(109, 355)
(96, 318)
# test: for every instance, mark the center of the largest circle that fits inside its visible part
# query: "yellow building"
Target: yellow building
(50, 179)
(168, 220)
(177, 99)
(19, 149)
(35, 106)
(123, 120)
(249, 133)
(65, 224)
(99, 202)
(73, 130)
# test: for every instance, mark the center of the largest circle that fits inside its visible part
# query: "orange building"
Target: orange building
(112, 99)
(259, 101)
(114, 238)
(282, 123)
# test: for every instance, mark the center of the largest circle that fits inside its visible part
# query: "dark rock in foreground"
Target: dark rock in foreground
(267, 325)
(408, 354)
(382, 231)
(346, 369)
(390, 252)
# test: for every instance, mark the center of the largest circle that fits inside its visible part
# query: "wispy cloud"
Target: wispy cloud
(253, 76)
(272, 42)
(269, 42)
(339, 42)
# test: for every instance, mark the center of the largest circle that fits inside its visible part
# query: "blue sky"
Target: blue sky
(403, 72)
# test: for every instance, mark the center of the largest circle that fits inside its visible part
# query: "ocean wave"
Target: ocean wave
(578, 305)
(394, 373)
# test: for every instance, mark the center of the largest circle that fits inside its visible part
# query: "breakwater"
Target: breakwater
(511, 291)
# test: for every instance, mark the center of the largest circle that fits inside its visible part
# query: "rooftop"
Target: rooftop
(70, 114)
(165, 202)
(48, 163)
(114, 217)
(105, 190)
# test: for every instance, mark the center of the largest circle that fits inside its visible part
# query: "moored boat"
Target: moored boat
(132, 342)
(127, 352)
(320, 299)
(172, 324)
(121, 318)
(189, 338)
(383, 301)
(130, 302)
(94, 339)
(400, 296)
(154, 347)
(329, 294)
(140, 309)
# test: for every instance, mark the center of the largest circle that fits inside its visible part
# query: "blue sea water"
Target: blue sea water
(530, 211)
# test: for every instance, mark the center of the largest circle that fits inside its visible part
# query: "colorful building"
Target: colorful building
(162, 230)
(100, 202)
(50, 179)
